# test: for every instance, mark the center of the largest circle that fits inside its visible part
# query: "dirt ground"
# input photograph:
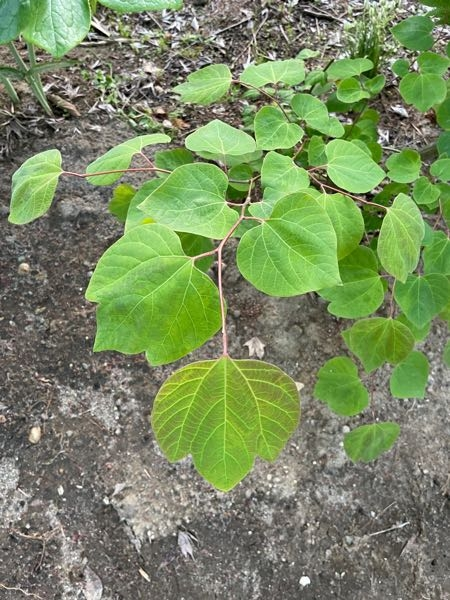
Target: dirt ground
(93, 509)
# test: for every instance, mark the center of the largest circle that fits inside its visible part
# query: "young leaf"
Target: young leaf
(424, 192)
(220, 138)
(436, 256)
(193, 245)
(400, 67)
(348, 67)
(316, 151)
(129, 6)
(225, 413)
(315, 114)
(379, 340)
(351, 168)
(290, 72)
(415, 33)
(423, 90)
(33, 186)
(441, 169)
(206, 85)
(119, 158)
(192, 199)
(409, 378)
(362, 291)
(350, 91)
(57, 26)
(292, 252)
(152, 297)
(400, 237)
(347, 221)
(421, 298)
(404, 167)
(443, 119)
(120, 201)
(367, 442)
(273, 131)
(339, 385)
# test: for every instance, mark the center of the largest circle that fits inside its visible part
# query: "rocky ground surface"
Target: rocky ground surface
(89, 507)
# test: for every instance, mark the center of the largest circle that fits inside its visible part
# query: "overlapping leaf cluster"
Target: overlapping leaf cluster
(317, 206)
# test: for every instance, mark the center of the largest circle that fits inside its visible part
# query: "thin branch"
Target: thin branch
(264, 93)
(339, 191)
(113, 171)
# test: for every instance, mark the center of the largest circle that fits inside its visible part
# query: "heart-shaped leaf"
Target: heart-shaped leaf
(409, 378)
(404, 167)
(347, 221)
(34, 185)
(119, 158)
(351, 168)
(400, 237)
(220, 138)
(225, 413)
(423, 90)
(290, 72)
(192, 199)
(415, 32)
(422, 297)
(274, 131)
(436, 256)
(10, 19)
(367, 442)
(379, 340)
(338, 384)
(348, 67)
(292, 252)
(205, 86)
(152, 297)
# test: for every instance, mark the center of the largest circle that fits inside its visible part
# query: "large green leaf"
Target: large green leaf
(424, 192)
(292, 252)
(400, 237)
(436, 256)
(152, 297)
(274, 131)
(362, 291)
(404, 167)
(367, 442)
(350, 91)
(419, 333)
(347, 221)
(34, 185)
(421, 298)
(11, 12)
(119, 158)
(57, 25)
(129, 6)
(290, 72)
(379, 340)
(348, 67)
(441, 169)
(225, 413)
(339, 385)
(205, 86)
(192, 199)
(430, 62)
(351, 168)
(280, 177)
(423, 90)
(220, 138)
(409, 378)
(415, 32)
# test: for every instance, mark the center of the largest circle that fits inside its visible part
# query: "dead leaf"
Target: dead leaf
(93, 586)
(64, 105)
(185, 543)
(255, 347)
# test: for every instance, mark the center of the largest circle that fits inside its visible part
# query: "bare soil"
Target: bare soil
(92, 509)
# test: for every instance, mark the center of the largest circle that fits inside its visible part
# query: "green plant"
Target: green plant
(313, 211)
(365, 36)
(55, 26)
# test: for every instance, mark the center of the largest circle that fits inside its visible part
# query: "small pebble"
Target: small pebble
(23, 269)
(35, 434)
(60, 490)
(304, 581)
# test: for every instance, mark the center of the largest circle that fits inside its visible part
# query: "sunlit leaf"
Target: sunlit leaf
(290, 72)
(274, 131)
(192, 199)
(351, 168)
(225, 413)
(347, 221)
(404, 167)
(206, 85)
(400, 238)
(220, 138)
(152, 297)
(33, 186)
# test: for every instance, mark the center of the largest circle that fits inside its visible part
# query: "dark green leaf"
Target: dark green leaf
(415, 33)
(120, 201)
(129, 6)
(367, 442)
(422, 297)
(339, 385)
(436, 256)
(409, 378)
(348, 67)
(423, 90)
